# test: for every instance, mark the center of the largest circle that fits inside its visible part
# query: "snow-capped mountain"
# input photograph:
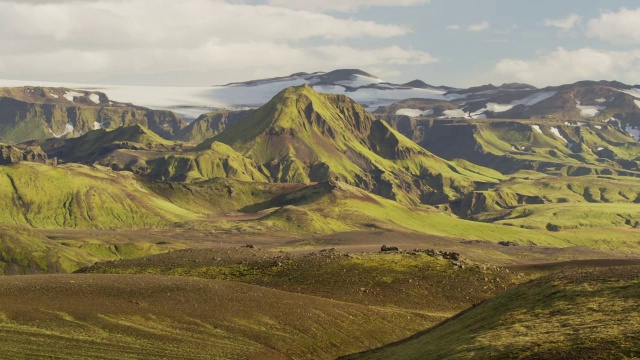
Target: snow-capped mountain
(190, 102)
(606, 102)
(588, 100)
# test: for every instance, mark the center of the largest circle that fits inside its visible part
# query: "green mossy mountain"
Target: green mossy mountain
(36, 113)
(210, 125)
(96, 144)
(80, 197)
(141, 151)
(510, 146)
(303, 136)
(11, 155)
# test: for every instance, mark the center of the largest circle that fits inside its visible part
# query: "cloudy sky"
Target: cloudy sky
(206, 42)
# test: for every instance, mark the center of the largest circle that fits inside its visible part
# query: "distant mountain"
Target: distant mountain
(36, 113)
(191, 102)
(603, 101)
(366, 89)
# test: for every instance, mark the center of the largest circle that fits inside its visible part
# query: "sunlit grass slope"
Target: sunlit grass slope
(582, 314)
(80, 197)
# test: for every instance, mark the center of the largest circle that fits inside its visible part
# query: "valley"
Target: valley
(260, 229)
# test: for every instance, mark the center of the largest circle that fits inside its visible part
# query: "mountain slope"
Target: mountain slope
(141, 151)
(303, 136)
(581, 148)
(133, 317)
(80, 197)
(210, 125)
(36, 113)
(585, 314)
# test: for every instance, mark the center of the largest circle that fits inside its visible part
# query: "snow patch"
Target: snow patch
(534, 98)
(414, 112)
(598, 127)
(528, 101)
(95, 98)
(601, 100)
(536, 128)
(637, 103)
(635, 92)
(457, 113)
(68, 129)
(70, 95)
(497, 108)
(634, 132)
(589, 111)
(97, 125)
(600, 149)
(556, 132)
(357, 81)
(191, 102)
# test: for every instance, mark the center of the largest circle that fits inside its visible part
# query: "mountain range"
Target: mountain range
(490, 186)
(603, 101)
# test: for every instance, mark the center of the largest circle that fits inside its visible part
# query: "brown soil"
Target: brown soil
(124, 316)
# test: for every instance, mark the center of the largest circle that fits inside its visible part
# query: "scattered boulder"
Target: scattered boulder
(386, 248)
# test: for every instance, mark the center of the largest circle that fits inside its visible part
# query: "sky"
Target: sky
(457, 43)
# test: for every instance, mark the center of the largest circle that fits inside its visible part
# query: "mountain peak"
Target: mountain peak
(346, 74)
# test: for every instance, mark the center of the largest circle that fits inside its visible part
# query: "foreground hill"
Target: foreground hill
(129, 317)
(582, 314)
(37, 113)
(427, 281)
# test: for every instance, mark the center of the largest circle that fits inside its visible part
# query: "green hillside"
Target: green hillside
(541, 145)
(210, 125)
(303, 136)
(80, 197)
(582, 314)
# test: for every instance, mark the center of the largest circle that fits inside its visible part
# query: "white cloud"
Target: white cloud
(197, 40)
(622, 26)
(341, 5)
(479, 27)
(563, 66)
(472, 27)
(566, 23)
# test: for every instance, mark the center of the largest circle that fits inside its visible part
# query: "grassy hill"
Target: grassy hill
(24, 251)
(139, 150)
(128, 317)
(80, 197)
(420, 281)
(581, 314)
(542, 145)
